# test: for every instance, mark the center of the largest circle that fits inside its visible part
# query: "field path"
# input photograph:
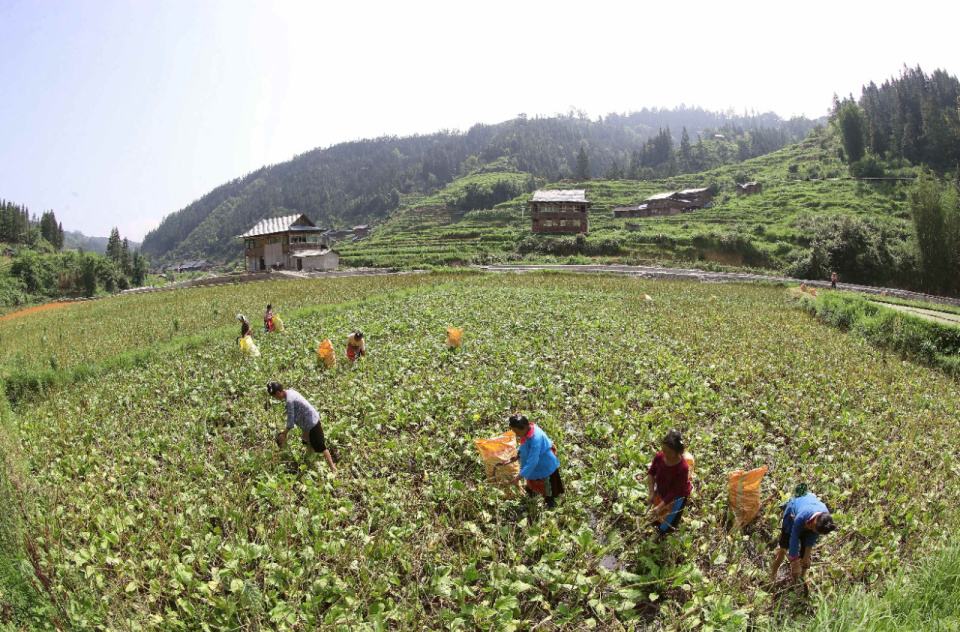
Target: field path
(944, 318)
(38, 308)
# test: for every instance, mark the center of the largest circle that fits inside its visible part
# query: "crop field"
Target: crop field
(758, 231)
(155, 497)
(90, 332)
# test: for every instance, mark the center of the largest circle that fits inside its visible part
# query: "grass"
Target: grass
(909, 335)
(920, 598)
(163, 503)
(770, 231)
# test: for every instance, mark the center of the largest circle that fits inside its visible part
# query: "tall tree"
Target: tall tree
(125, 262)
(853, 130)
(583, 165)
(936, 222)
(114, 247)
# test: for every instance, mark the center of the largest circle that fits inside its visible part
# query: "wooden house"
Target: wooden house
(275, 242)
(698, 198)
(195, 266)
(639, 210)
(563, 211)
(665, 204)
(749, 188)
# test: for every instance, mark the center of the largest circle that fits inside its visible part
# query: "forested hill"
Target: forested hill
(362, 181)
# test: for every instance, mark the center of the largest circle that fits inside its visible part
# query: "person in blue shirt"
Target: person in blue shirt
(539, 464)
(805, 519)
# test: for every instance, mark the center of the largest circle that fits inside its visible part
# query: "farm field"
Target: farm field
(92, 331)
(155, 497)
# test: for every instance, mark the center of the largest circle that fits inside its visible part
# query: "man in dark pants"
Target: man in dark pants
(304, 416)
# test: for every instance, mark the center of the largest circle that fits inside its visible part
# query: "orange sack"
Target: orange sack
(454, 337)
(745, 494)
(494, 453)
(326, 354)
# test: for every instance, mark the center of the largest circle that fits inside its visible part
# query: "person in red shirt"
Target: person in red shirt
(669, 482)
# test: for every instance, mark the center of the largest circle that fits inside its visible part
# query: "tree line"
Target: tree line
(913, 118)
(39, 270)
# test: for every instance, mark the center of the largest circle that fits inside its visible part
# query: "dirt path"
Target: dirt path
(33, 310)
(943, 318)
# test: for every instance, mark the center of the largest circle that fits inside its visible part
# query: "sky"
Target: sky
(120, 113)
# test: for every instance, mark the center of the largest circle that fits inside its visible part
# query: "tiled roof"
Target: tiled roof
(275, 225)
(565, 195)
(660, 196)
(694, 191)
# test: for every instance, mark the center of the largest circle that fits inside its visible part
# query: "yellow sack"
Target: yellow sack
(277, 324)
(494, 453)
(249, 347)
(745, 494)
(326, 354)
(454, 337)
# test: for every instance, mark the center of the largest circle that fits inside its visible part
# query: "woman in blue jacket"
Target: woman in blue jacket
(539, 464)
(805, 519)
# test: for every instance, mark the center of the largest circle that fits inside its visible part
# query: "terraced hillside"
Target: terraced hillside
(776, 230)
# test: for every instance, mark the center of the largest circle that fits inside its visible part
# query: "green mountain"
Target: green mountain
(74, 239)
(364, 181)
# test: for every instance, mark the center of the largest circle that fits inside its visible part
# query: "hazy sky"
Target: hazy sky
(118, 113)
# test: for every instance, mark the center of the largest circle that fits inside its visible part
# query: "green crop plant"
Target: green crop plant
(160, 501)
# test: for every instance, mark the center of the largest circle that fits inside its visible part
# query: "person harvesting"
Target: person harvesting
(245, 329)
(539, 464)
(805, 519)
(302, 414)
(356, 346)
(268, 318)
(668, 480)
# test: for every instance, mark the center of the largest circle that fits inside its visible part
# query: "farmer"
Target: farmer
(539, 464)
(833, 280)
(301, 414)
(268, 318)
(245, 329)
(805, 519)
(355, 345)
(668, 479)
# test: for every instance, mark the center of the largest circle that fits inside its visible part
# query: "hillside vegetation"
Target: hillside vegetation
(157, 499)
(806, 223)
(364, 181)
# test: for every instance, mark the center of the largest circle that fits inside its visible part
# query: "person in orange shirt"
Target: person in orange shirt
(355, 346)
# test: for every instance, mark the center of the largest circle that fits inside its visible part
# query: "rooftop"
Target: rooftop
(660, 196)
(563, 195)
(275, 225)
(694, 191)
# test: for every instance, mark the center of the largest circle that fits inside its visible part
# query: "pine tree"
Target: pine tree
(114, 247)
(125, 263)
(583, 165)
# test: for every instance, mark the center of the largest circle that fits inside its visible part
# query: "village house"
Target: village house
(749, 188)
(361, 231)
(564, 211)
(293, 242)
(676, 202)
(195, 266)
(631, 211)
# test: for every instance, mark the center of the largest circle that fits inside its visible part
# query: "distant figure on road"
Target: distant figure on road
(805, 519)
(833, 280)
(539, 464)
(356, 346)
(668, 480)
(245, 329)
(268, 318)
(302, 414)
